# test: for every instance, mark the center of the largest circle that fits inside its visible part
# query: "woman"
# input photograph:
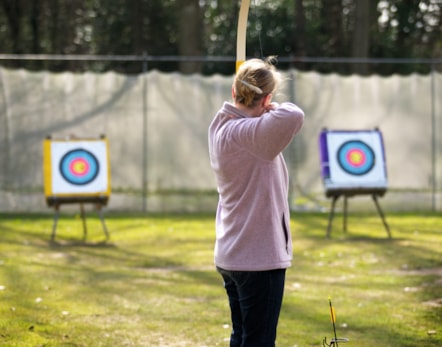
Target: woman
(253, 241)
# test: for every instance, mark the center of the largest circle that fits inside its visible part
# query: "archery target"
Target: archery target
(356, 157)
(353, 159)
(76, 168)
(79, 167)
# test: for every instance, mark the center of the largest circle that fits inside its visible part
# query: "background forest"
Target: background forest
(190, 31)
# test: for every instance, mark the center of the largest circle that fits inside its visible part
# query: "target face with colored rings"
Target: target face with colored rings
(356, 157)
(79, 167)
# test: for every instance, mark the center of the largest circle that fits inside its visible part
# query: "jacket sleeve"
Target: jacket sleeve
(271, 133)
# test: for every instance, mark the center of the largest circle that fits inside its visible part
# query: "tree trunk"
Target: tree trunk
(190, 35)
(137, 27)
(13, 11)
(35, 26)
(299, 36)
(361, 35)
(333, 26)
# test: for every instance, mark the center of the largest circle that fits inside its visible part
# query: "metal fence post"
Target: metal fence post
(144, 135)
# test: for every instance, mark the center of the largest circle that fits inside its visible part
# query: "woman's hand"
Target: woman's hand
(271, 106)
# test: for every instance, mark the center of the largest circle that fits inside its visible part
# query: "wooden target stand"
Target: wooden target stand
(98, 202)
(353, 163)
(76, 171)
(348, 193)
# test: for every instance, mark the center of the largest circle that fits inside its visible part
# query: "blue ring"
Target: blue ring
(69, 176)
(349, 167)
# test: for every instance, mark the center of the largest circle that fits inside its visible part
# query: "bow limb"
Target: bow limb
(241, 33)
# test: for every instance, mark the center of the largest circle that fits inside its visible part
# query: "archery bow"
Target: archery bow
(241, 33)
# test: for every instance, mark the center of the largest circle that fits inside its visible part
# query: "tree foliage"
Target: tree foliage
(288, 28)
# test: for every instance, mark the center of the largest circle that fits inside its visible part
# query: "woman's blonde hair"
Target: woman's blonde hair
(254, 80)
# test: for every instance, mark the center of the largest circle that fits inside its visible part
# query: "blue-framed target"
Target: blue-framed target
(356, 157)
(352, 159)
(79, 167)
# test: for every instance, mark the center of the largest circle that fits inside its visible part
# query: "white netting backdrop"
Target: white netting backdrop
(157, 125)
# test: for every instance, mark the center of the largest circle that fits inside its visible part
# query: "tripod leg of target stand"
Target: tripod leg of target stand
(381, 214)
(54, 225)
(332, 212)
(345, 212)
(83, 218)
(100, 213)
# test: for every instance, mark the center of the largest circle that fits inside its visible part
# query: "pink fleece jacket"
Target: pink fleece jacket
(253, 218)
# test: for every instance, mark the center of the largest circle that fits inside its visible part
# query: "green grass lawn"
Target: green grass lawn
(154, 284)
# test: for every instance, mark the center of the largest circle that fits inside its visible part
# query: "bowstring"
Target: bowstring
(259, 31)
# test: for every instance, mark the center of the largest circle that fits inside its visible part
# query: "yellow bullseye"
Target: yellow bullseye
(79, 167)
(356, 157)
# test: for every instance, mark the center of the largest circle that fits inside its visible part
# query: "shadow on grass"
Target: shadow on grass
(159, 257)
(81, 243)
(363, 257)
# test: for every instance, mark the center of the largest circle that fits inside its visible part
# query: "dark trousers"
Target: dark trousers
(255, 299)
